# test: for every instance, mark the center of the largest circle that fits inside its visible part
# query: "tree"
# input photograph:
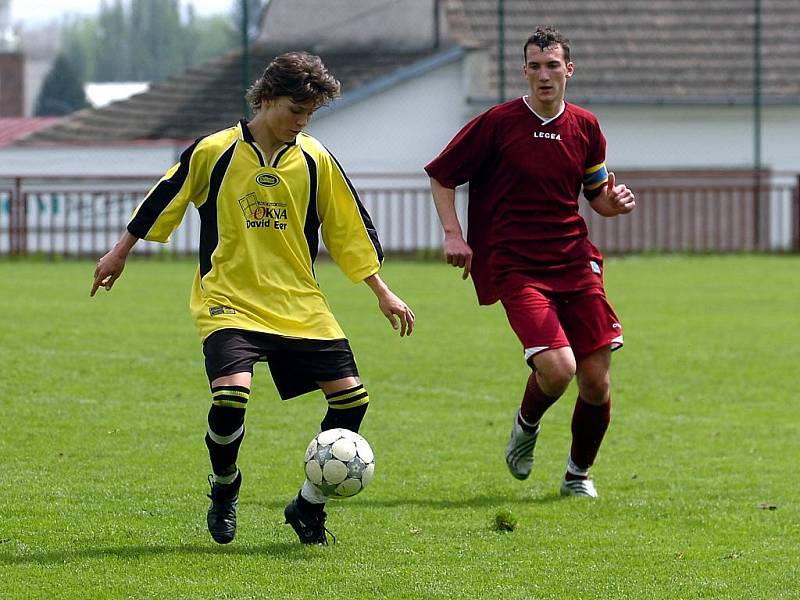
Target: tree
(79, 44)
(62, 90)
(148, 40)
(155, 40)
(112, 43)
(206, 38)
(254, 9)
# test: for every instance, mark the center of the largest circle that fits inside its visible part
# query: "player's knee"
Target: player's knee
(595, 389)
(346, 408)
(555, 371)
(555, 376)
(226, 424)
(594, 377)
(228, 405)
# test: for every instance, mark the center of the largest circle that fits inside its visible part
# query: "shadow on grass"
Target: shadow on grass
(473, 502)
(478, 501)
(287, 550)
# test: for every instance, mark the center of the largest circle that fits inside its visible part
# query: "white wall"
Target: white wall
(699, 136)
(400, 129)
(133, 160)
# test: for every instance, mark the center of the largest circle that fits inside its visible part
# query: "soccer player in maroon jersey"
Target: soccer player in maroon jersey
(526, 162)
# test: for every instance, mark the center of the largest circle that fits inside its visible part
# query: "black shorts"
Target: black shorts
(296, 364)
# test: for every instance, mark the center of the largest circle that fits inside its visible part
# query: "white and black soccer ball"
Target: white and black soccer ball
(339, 463)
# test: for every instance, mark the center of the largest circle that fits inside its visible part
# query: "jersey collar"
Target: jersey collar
(244, 132)
(247, 136)
(544, 120)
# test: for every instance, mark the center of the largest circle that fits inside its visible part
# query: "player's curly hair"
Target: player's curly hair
(299, 75)
(545, 37)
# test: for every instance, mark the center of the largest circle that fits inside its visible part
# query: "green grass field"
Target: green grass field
(104, 403)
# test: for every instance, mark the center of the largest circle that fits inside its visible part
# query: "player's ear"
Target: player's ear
(570, 69)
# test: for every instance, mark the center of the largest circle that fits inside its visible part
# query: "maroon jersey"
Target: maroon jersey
(525, 176)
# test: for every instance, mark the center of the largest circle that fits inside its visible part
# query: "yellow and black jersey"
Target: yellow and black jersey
(259, 234)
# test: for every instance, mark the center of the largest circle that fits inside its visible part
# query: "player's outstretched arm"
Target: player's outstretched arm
(456, 250)
(613, 199)
(110, 266)
(394, 309)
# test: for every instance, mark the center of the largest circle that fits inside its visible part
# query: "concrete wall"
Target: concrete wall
(134, 160)
(36, 70)
(400, 129)
(695, 136)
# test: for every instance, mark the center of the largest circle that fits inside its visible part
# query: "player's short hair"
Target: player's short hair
(298, 75)
(545, 37)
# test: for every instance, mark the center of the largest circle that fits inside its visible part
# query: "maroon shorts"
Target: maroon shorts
(545, 320)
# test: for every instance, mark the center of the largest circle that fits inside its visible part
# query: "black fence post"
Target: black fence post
(17, 221)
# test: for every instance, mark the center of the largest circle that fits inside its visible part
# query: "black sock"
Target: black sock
(346, 408)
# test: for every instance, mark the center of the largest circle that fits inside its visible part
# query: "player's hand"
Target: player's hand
(397, 312)
(109, 268)
(620, 198)
(458, 253)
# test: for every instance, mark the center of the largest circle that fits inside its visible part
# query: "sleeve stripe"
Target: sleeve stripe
(365, 218)
(311, 226)
(157, 200)
(209, 229)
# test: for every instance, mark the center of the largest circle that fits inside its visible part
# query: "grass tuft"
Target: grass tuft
(505, 520)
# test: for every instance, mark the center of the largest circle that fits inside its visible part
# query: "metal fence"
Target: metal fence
(702, 212)
(711, 212)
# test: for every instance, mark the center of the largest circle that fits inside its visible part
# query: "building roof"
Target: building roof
(625, 51)
(14, 128)
(205, 99)
(654, 51)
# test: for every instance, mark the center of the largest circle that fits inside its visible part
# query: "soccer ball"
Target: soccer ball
(339, 463)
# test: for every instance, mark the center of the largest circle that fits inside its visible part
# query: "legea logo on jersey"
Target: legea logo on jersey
(267, 180)
(260, 214)
(547, 135)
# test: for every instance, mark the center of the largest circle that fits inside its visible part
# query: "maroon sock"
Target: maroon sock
(589, 425)
(534, 404)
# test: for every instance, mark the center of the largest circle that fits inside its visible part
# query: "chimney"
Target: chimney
(11, 66)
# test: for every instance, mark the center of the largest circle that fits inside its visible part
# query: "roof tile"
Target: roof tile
(659, 50)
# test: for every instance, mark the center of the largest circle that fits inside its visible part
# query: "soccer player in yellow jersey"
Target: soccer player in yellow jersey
(264, 191)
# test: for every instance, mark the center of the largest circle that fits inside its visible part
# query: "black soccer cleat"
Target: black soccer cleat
(222, 512)
(309, 528)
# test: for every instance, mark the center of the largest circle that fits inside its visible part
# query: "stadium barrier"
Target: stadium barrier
(688, 211)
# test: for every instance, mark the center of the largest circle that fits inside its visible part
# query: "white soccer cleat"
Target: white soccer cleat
(578, 487)
(519, 451)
